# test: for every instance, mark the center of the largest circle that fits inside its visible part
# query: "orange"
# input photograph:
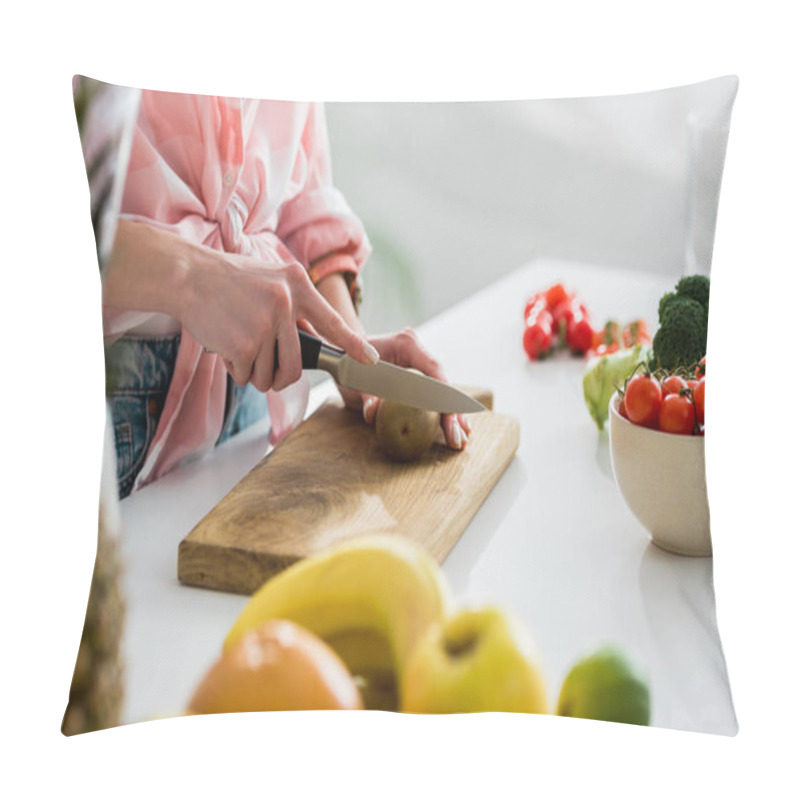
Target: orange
(278, 666)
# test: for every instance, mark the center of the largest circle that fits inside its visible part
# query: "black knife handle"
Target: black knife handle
(310, 347)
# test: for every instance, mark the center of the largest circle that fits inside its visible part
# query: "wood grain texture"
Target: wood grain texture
(328, 481)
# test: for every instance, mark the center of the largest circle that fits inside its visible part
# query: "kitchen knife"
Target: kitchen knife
(384, 380)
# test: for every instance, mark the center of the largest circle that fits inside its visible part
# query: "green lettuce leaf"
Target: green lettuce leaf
(605, 374)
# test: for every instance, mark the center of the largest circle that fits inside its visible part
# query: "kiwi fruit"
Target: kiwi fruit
(404, 433)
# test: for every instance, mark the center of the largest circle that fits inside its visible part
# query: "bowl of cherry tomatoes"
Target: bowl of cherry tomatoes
(656, 433)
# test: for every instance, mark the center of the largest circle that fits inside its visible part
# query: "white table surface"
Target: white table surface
(553, 543)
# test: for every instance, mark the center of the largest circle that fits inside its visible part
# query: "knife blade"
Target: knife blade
(385, 380)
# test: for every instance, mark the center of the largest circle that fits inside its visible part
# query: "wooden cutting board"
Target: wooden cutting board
(328, 481)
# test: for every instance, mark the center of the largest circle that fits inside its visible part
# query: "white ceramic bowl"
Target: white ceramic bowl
(662, 477)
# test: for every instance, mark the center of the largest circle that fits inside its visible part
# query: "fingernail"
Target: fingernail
(373, 356)
(457, 438)
(465, 425)
(367, 406)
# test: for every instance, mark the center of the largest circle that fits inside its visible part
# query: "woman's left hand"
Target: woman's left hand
(405, 350)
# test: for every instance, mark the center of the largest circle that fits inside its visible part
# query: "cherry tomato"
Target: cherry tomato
(538, 339)
(621, 408)
(579, 335)
(539, 315)
(536, 302)
(635, 333)
(555, 294)
(643, 400)
(606, 340)
(563, 309)
(701, 369)
(563, 314)
(700, 400)
(677, 414)
(672, 385)
(569, 308)
(606, 349)
(691, 384)
(607, 335)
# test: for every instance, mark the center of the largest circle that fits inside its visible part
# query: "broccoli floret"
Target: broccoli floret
(696, 287)
(681, 339)
(663, 304)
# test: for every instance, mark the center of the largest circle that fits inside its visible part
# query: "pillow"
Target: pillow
(544, 569)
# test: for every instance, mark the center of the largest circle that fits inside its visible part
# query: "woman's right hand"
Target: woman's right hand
(240, 307)
(234, 305)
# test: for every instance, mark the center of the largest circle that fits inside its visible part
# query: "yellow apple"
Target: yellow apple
(605, 686)
(477, 660)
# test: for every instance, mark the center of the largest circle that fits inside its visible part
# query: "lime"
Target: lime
(605, 686)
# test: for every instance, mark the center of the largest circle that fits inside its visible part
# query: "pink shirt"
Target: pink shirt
(243, 176)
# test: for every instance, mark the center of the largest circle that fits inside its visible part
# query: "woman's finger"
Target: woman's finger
(239, 371)
(290, 360)
(305, 325)
(370, 408)
(455, 437)
(264, 366)
(313, 306)
(409, 352)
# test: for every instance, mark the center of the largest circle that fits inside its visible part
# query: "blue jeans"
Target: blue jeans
(138, 374)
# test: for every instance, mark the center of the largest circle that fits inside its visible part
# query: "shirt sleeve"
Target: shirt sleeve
(318, 222)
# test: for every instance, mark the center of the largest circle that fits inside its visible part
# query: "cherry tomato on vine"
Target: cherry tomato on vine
(701, 368)
(564, 313)
(579, 335)
(538, 339)
(535, 303)
(677, 414)
(606, 349)
(643, 400)
(672, 385)
(555, 294)
(700, 400)
(635, 333)
(539, 315)
(607, 335)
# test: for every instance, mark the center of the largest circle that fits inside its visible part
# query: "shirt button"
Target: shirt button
(228, 178)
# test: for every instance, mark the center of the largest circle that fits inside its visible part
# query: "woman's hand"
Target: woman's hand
(240, 308)
(405, 350)
(234, 305)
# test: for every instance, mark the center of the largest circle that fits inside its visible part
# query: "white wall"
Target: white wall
(454, 195)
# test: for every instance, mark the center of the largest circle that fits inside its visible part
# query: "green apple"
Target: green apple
(477, 660)
(605, 686)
